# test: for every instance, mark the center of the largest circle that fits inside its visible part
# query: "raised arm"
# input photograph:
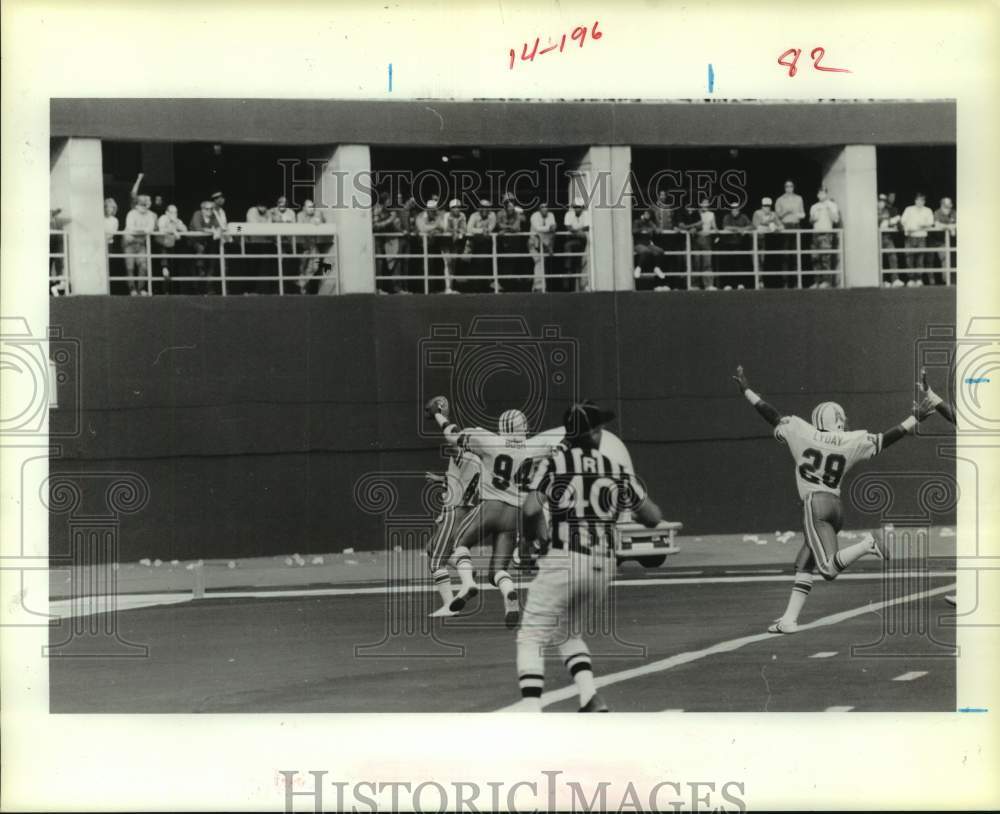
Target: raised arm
(769, 413)
(932, 401)
(437, 408)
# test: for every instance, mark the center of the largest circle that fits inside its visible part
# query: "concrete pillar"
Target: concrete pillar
(602, 181)
(851, 179)
(76, 186)
(344, 195)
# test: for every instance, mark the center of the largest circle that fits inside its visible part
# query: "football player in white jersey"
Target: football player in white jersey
(824, 451)
(461, 494)
(507, 461)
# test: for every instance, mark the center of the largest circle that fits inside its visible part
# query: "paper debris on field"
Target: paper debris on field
(145, 561)
(317, 560)
(231, 564)
(157, 563)
(348, 550)
(175, 562)
(750, 538)
(288, 560)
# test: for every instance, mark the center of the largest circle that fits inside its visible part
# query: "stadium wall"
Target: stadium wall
(254, 419)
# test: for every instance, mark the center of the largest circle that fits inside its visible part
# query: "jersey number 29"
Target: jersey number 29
(832, 468)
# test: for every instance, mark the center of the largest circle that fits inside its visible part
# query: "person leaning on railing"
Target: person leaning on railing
(542, 241)
(704, 229)
(430, 227)
(510, 223)
(577, 223)
(480, 228)
(946, 221)
(768, 226)
(791, 209)
(385, 219)
(824, 216)
(139, 223)
(205, 221)
(888, 225)
(916, 220)
(169, 228)
(734, 238)
(647, 253)
(454, 243)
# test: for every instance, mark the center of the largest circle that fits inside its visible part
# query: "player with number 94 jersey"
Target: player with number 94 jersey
(824, 452)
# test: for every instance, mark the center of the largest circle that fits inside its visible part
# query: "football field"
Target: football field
(688, 636)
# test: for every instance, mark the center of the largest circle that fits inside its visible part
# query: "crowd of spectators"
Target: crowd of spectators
(154, 232)
(444, 250)
(725, 255)
(907, 236)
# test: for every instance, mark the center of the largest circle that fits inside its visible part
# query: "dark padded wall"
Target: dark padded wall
(253, 419)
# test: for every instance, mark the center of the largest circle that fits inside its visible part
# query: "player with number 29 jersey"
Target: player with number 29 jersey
(822, 459)
(824, 452)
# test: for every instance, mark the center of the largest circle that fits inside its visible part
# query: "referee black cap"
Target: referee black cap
(584, 417)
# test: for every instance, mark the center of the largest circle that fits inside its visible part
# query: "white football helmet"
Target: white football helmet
(828, 416)
(513, 425)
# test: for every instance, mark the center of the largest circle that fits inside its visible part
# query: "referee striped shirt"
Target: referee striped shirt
(585, 492)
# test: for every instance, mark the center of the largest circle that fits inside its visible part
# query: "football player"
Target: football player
(507, 460)
(824, 451)
(461, 494)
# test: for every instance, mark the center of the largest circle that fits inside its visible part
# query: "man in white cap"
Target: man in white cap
(430, 228)
(454, 242)
(766, 222)
(577, 223)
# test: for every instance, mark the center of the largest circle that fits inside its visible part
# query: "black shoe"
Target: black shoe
(595, 704)
(461, 598)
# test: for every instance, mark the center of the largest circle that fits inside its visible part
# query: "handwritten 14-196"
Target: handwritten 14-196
(579, 34)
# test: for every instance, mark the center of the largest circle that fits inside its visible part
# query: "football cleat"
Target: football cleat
(512, 610)
(444, 610)
(781, 626)
(595, 704)
(462, 598)
(951, 600)
(878, 547)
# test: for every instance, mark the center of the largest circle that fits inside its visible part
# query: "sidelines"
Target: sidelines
(565, 693)
(64, 608)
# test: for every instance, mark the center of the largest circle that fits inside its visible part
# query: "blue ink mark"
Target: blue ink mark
(711, 77)
(973, 709)
(390, 77)
(980, 380)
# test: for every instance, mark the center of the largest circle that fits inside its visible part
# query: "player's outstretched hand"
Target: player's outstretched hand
(433, 477)
(740, 379)
(435, 405)
(930, 400)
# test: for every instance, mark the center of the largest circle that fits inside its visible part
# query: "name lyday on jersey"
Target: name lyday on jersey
(823, 458)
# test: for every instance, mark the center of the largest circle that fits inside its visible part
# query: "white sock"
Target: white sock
(800, 592)
(852, 553)
(503, 581)
(463, 564)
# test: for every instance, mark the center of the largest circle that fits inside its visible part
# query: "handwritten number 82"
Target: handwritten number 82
(816, 55)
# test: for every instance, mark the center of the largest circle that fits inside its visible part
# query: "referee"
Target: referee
(584, 491)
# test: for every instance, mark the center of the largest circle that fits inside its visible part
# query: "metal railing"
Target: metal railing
(58, 262)
(693, 263)
(442, 261)
(239, 260)
(918, 261)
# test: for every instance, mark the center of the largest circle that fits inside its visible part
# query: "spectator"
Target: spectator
(768, 227)
(916, 220)
(647, 253)
(258, 247)
(280, 213)
(57, 246)
(482, 224)
(140, 223)
(133, 194)
(159, 206)
(406, 210)
(386, 226)
(205, 222)
(454, 242)
(666, 235)
(791, 209)
(309, 245)
(577, 223)
(888, 225)
(510, 225)
(542, 242)
(944, 219)
(736, 227)
(219, 202)
(704, 229)
(430, 227)
(824, 216)
(170, 228)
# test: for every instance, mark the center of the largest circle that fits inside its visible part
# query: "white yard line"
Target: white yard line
(669, 663)
(838, 709)
(911, 676)
(134, 601)
(824, 654)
